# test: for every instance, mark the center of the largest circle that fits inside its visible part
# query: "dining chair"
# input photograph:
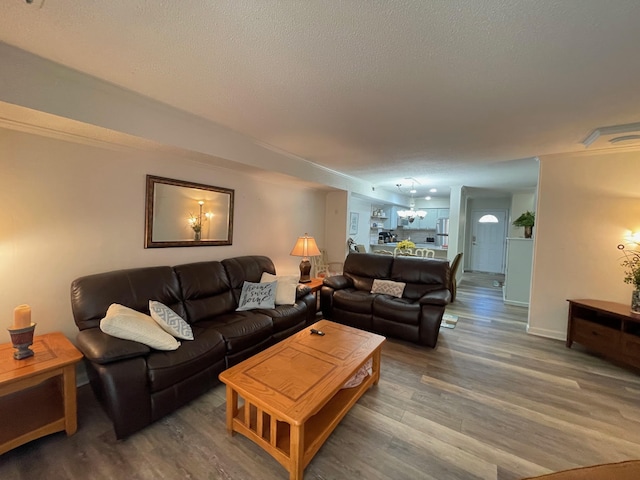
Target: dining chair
(322, 267)
(453, 284)
(403, 252)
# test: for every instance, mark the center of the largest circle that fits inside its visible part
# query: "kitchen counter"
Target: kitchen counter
(430, 246)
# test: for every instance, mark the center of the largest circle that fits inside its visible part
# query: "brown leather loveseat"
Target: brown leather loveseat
(136, 384)
(412, 311)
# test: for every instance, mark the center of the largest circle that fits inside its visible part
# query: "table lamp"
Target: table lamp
(305, 247)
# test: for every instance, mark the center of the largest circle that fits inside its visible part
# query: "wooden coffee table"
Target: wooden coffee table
(292, 392)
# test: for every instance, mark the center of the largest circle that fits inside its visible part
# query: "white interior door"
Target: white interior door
(487, 241)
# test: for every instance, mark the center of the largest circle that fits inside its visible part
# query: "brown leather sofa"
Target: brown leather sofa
(415, 316)
(136, 384)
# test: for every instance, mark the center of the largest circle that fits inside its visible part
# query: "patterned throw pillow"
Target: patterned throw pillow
(129, 324)
(286, 289)
(388, 287)
(170, 321)
(257, 295)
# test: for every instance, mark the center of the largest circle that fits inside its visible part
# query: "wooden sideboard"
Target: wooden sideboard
(607, 328)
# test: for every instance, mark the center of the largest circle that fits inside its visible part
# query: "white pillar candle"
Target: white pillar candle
(22, 316)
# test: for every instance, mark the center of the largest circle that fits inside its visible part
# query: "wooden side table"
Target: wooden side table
(38, 394)
(315, 285)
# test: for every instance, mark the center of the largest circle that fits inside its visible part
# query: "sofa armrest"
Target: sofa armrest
(302, 291)
(101, 348)
(436, 297)
(338, 282)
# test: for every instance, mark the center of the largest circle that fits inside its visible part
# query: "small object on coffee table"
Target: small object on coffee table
(317, 332)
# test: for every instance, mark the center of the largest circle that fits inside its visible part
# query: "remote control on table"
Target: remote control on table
(317, 332)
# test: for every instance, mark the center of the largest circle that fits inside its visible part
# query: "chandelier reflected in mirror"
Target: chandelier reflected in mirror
(412, 213)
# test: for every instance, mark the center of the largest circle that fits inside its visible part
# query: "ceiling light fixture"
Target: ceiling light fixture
(411, 214)
(615, 135)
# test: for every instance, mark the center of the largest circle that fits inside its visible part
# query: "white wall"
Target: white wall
(587, 204)
(335, 239)
(436, 202)
(363, 209)
(520, 203)
(70, 210)
(54, 97)
(457, 217)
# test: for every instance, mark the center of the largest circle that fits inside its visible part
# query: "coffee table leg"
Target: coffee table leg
(232, 408)
(376, 365)
(296, 452)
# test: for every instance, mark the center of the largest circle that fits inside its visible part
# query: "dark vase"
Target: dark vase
(528, 231)
(196, 236)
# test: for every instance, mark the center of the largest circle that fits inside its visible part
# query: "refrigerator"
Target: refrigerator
(442, 232)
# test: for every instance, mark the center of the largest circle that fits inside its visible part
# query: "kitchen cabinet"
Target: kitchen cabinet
(430, 220)
(415, 225)
(393, 218)
(443, 213)
(517, 280)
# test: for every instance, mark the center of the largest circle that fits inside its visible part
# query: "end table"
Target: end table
(315, 285)
(38, 394)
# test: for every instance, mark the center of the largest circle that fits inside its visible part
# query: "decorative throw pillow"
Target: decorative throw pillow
(388, 287)
(257, 295)
(129, 324)
(170, 321)
(286, 289)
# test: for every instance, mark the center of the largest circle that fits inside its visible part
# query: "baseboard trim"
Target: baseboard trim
(516, 303)
(543, 332)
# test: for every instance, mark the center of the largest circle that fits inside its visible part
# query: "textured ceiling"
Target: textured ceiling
(445, 92)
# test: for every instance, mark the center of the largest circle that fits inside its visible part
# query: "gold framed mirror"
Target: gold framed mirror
(186, 214)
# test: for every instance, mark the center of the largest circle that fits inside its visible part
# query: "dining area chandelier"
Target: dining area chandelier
(412, 213)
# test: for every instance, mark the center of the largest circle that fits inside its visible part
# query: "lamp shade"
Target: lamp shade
(305, 247)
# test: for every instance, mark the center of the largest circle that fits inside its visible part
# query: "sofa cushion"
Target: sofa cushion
(286, 316)
(128, 324)
(242, 330)
(248, 268)
(92, 295)
(353, 300)
(362, 269)
(286, 289)
(169, 321)
(399, 310)
(421, 275)
(206, 290)
(168, 368)
(388, 287)
(257, 295)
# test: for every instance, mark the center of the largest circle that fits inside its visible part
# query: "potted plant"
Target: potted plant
(631, 263)
(526, 220)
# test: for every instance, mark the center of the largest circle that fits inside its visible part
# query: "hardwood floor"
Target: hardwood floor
(490, 402)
